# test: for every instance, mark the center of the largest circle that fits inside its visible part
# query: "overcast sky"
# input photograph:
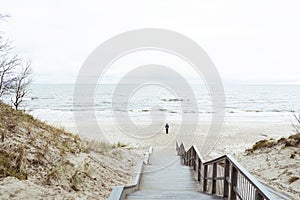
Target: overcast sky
(250, 42)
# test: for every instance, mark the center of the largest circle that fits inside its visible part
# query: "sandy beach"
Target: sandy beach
(234, 138)
(276, 167)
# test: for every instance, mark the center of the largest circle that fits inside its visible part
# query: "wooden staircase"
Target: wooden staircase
(183, 174)
(167, 178)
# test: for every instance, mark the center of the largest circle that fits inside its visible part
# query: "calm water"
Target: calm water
(54, 103)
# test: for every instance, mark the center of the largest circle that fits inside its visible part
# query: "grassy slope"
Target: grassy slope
(66, 166)
(276, 162)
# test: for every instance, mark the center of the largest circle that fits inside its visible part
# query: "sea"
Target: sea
(259, 103)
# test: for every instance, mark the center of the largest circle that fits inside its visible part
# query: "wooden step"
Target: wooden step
(154, 194)
(167, 178)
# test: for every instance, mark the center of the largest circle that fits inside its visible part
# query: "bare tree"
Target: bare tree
(14, 72)
(3, 16)
(4, 43)
(20, 85)
(8, 67)
(8, 63)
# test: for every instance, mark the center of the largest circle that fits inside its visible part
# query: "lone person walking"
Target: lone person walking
(167, 128)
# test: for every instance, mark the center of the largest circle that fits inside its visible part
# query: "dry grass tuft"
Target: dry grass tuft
(98, 147)
(293, 179)
(119, 145)
(56, 160)
(10, 168)
(291, 141)
(262, 144)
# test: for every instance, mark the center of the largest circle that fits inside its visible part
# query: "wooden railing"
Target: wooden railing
(119, 192)
(223, 176)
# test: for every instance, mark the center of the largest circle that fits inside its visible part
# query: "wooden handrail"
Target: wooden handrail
(235, 181)
(119, 192)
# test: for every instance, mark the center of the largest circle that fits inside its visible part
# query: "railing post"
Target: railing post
(234, 176)
(199, 170)
(194, 159)
(214, 180)
(190, 157)
(205, 178)
(187, 157)
(233, 179)
(226, 176)
(258, 196)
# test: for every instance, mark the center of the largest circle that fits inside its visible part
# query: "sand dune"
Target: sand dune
(38, 161)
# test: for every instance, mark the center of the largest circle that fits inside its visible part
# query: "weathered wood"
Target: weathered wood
(119, 192)
(146, 158)
(137, 174)
(194, 160)
(214, 179)
(258, 196)
(226, 176)
(251, 179)
(234, 175)
(205, 178)
(172, 180)
(199, 170)
(178, 195)
(237, 183)
(147, 155)
(168, 178)
(116, 193)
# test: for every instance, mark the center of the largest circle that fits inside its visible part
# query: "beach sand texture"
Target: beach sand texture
(272, 166)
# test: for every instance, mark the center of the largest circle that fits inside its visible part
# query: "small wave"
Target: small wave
(81, 110)
(145, 110)
(119, 110)
(173, 112)
(232, 107)
(163, 109)
(191, 112)
(276, 110)
(175, 100)
(253, 110)
(62, 109)
(46, 98)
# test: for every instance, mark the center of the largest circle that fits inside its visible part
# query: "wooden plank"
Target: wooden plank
(234, 175)
(226, 176)
(214, 181)
(116, 193)
(205, 179)
(168, 178)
